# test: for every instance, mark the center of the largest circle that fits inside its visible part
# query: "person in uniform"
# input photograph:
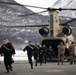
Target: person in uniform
(45, 52)
(7, 50)
(29, 48)
(72, 53)
(36, 52)
(75, 53)
(50, 53)
(61, 52)
(0, 54)
(41, 54)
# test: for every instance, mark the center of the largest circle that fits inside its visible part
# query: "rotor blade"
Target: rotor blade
(49, 9)
(66, 9)
(65, 17)
(66, 23)
(22, 5)
(32, 13)
(24, 26)
(60, 9)
(73, 26)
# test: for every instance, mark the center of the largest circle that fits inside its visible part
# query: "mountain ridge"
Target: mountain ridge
(66, 4)
(10, 16)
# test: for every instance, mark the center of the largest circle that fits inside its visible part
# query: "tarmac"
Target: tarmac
(23, 68)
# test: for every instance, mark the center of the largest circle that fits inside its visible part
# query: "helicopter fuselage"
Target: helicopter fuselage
(57, 33)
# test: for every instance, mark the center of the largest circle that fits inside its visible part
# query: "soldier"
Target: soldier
(7, 50)
(41, 54)
(61, 51)
(75, 49)
(45, 53)
(29, 49)
(0, 54)
(50, 53)
(72, 52)
(36, 52)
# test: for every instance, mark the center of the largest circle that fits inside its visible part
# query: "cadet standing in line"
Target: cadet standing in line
(61, 51)
(30, 49)
(7, 50)
(45, 53)
(36, 52)
(50, 53)
(41, 54)
(72, 53)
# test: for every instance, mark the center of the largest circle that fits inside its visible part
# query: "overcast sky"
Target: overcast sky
(40, 3)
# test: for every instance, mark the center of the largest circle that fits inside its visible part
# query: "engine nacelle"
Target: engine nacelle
(44, 31)
(67, 31)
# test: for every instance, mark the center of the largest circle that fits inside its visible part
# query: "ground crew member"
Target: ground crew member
(36, 52)
(61, 51)
(41, 54)
(7, 50)
(72, 53)
(50, 53)
(45, 53)
(29, 49)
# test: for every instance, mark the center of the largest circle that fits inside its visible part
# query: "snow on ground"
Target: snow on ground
(19, 56)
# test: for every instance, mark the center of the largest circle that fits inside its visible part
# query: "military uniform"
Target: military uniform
(45, 53)
(7, 50)
(0, 50)
(61, 51)
(72, 53)
(29, 49)
(36, 52)
(50, 53)
(0, 54)
(40, 55)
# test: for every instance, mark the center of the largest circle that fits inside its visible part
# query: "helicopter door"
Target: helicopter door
(53, 43)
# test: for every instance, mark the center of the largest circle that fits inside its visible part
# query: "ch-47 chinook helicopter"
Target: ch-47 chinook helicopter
(55, 33)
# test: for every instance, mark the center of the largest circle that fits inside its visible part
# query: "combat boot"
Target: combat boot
(31, 66)
(10, 68)
(35, 64)
(71, 63)
(62, 62)
(74, 62)
(7, 71)
(58, 62)
(40, 63)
